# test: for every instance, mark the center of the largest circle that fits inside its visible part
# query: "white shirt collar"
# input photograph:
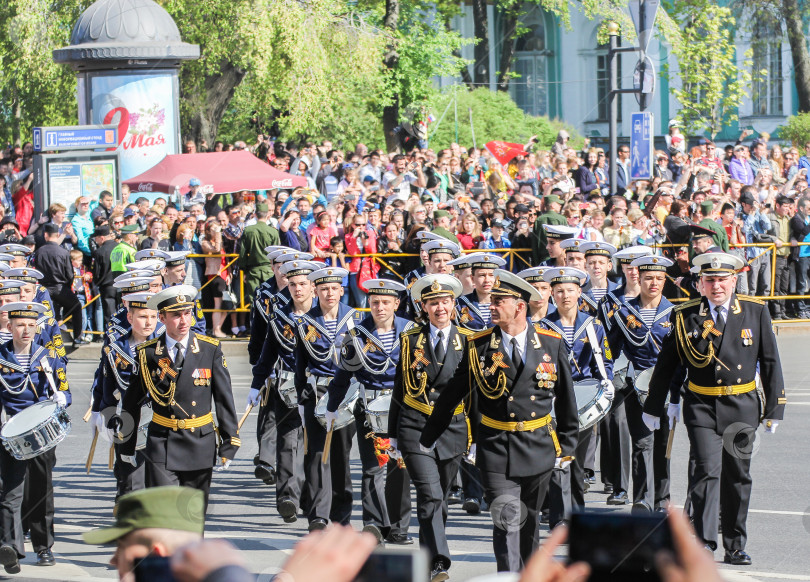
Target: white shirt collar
(434, 333)
(521, 342)
(726, 306)
(170, 343)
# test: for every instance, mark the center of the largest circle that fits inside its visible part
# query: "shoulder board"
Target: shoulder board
(413, 331)
(205, 338)
(690, 303)
(482, 333)
(147, 343)
(548, 332)
(750, 299)
(467, 332)
(596, 321)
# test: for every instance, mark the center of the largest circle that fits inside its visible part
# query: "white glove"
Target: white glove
(301, 413)
(470, 456)
(129, 459)
(96, 422)
(253, 397)
(60, 398)
(331, 419)
(427, 450)
(652, 422)
(609, 389)
(562, 463)
(393, 452)
(101, 426)
(224, 466)
(770, 425)
(673, 414)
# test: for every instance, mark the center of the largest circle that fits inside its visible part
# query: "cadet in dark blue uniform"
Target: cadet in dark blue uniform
(555, 234)
(597, 265)
(118, 364)
(261, 308)
(29, 373)
(542, 306)
(369, 354)
(463, 272)
(580, 332)
(722, 339)
(639, 329)
(440, 252)
(174, 273)
(274, 373)
(320, 331)
(20, 255)
(408, 307)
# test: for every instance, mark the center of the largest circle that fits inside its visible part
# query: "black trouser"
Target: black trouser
(471, 481)
(589, 463)
(127, 477)
(566, 489)
(642, 453)
(615, 451)
(64, 297)
(721, 484)
(661, 464)
(514, 504)
(289, 452)
(157, 475)
(109, 302)
(266, 430)
(40, 509)
(398, 498)
(373, 499)
(431, 477)
(781, 286)
(328, 488)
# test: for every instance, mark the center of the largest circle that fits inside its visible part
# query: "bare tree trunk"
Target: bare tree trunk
(481, 50)
(798, 50)
(391, 61)
(465, 74)
(15, 127)
(209, 105)
(509, 23)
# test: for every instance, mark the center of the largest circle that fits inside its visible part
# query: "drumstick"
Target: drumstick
(111, 461)
(669, 441)
(92, 451)
(306, 441)
(88, 414)
(244, 417)
(328, 443)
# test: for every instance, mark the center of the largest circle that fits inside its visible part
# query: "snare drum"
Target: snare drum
(592, 402)
(143, 427)
(641, 385)
(345, 412)
(620, 367)
(35, 430)
(286, 389)
(377, 412)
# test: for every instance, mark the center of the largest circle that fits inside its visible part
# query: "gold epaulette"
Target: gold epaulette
(596, 321)
(547, 332)
(205, 338)
(147, 343)
(690, 303)
(464, 331)
(482, 333)
(751, 299)
(414, 330)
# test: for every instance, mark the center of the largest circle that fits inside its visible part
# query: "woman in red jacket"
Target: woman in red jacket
(360, 240)
(23, 198)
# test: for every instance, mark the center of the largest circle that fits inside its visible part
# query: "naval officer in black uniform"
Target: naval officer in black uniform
(518, 370)
(183, 374)
(722, 339)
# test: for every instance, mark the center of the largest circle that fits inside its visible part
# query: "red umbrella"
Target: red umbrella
(504, 151)
(218, 173)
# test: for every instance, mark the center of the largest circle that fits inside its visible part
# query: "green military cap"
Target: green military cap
(130, 228)
(441, 214)
(706, 207)
(262, 207)
(175, 508)
(553, 198)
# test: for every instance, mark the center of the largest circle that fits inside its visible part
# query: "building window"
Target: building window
(603, 83)
(767, 93)
(530, 89)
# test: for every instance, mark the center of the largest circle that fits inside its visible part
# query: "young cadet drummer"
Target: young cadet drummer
(432, 361)
(589, 357)
(542, 306)
(408, 307)
(369, 353)
(29, 373)
(598, 265)
(722, 339)
(517, 371)
(462, 270)
(183, 374)
(47, 327)
(439, 252)
(328, 486)
(473, 309)
(640, 328)
(261, 307)
(117, 365)
(629, 286)
(278, 356)
(555, 234)
(174, 273)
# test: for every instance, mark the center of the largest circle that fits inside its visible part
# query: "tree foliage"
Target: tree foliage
(796, 130)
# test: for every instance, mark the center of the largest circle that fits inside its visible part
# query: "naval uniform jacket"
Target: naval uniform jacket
(580, 352)
(363, 357)
(588, 302)
(21, 387)
(470, 313)
(498, 393)
(409, 307)
(280, 342)
(722, 364)
(203, 381)
(260, 312)
(420, 377)
(117, 366)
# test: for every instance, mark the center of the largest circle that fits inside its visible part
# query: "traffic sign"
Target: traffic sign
(644, 78)
(641, 146)
(77, 137)
(648, 9)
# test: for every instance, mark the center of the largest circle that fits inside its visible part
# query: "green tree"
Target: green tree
(712, 86)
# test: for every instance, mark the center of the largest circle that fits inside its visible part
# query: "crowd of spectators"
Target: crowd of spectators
(361, 202)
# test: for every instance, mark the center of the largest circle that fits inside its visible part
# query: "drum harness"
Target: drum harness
(20, 388)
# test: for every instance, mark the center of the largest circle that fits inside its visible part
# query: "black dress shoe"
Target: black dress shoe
(256, 460)
(375, 531)
(266, 473)
(9, 559)
(472, 506)
(737, 558)
(317, 524)
(619, 498)
(640, 508)
(592, 479)
(608, 488)
(399, 539)
(439, 574)
(287, 510)
(45, 558)
(455, 496)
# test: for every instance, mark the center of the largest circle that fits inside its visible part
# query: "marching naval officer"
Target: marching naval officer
(721, 339)
(183, 374)
(518, 371)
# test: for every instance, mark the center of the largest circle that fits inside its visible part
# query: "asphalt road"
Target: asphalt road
(242, 509)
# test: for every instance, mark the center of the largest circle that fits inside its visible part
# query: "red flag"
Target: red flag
(504, 151)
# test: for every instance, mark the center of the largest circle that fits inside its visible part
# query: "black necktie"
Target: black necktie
(178, 357)
(720, 324)
(516, 359)
(439, 350)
